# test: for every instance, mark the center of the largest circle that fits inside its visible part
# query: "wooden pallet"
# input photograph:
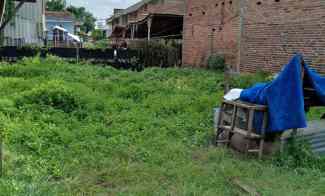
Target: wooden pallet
(227, 124)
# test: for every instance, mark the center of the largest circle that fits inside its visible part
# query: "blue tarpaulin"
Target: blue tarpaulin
(284, 96)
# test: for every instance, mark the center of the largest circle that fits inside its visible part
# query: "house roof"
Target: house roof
(64, 15)
(135, 6)
(130, 9)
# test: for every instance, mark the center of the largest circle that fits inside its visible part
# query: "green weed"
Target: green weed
(85, 130)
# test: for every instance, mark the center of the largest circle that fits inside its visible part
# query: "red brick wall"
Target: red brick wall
(271, 32)
(274, 31)
(211, 27)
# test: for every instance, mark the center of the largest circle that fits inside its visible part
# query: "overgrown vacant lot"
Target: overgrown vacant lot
(74, 129)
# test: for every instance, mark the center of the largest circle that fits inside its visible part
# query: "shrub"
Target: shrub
(216, 62)
(54, 94)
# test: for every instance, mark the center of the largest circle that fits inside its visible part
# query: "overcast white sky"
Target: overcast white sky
(102, 8)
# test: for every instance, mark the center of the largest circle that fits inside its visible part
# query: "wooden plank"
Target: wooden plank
(244, 187)
(241, 132)
(247, 105)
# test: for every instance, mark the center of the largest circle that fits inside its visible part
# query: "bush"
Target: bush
(216, 62)
(54, 94)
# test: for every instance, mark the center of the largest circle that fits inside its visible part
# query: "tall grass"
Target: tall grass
(84, 130)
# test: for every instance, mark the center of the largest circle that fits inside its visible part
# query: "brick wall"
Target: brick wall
(264, 34)
(211, 27)
(275, 30)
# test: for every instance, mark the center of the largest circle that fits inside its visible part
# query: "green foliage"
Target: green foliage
(163, 53)
(55, 5)
(248, 80)
(97, 35)
(10, 8)
(82, 15)
(85, 130)
(216, 62)
(298, 156)
(104, 43)
(55, 94)
(316, 113)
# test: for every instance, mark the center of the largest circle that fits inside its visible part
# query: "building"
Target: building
(104, 27)
(62, 19)
(254, 34)
(27, 26)
(149, 19)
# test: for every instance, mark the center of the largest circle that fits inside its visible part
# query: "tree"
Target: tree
(2, 9)
(55, 5)
(9, 13)
(86, 18)
(97, 34)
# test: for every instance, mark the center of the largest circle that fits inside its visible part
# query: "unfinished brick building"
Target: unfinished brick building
(254, 34)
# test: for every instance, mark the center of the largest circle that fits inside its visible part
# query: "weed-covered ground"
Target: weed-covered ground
(86, 130)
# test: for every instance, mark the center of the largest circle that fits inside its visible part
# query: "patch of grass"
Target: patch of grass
(316, 113)
(248, 80)
(84, 130)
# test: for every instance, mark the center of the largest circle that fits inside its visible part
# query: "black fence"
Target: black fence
(83, 53)
(146, 56)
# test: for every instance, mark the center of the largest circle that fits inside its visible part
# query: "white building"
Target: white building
(28, 25)
(101, 24)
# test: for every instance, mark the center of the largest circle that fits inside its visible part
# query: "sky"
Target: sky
(102, 8)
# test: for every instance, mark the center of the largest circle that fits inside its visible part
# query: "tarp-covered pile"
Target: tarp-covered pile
(285, 95)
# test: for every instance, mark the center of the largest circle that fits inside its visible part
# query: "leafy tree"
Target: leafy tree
(9, 11)
(86, 18)
(55, 5)
(97, 34)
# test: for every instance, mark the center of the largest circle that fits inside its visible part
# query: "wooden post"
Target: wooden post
(264, 127)
(250, 128)
(227, 79)
(77, 52)
(132, 31)
(149, 23)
